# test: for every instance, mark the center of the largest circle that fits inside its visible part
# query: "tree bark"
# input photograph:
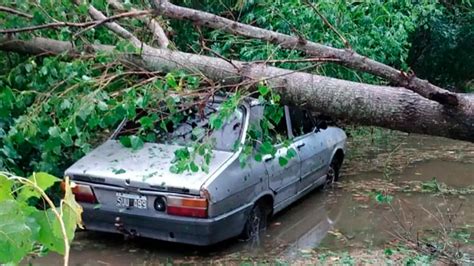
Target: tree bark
(348, 58)
(154, 26)
(389, 107)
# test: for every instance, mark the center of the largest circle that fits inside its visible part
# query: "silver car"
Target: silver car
(134, 192)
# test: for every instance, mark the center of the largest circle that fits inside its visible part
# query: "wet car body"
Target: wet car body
(134, 193)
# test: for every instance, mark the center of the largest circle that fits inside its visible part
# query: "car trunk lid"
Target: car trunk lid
(146, 168)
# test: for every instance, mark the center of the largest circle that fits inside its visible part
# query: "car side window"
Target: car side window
(301, 122)
(276, 125)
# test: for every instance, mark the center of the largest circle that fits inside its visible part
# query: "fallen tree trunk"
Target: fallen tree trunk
(389, 107)
(348, 58)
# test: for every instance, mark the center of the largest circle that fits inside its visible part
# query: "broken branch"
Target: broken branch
(15, 12)
(347, 58)
(154, 26)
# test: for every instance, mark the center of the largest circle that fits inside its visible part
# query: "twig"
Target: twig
(152, 24)
(115, 17)
(114, 27)
(87, 25)
(344, 40)
(15, 12)
(47, 25)
(301, 60)
(220, 56)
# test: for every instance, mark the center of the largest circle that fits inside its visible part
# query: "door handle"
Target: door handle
(301, 145)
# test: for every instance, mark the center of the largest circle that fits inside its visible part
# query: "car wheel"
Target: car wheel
(256, 222)
(332, 174)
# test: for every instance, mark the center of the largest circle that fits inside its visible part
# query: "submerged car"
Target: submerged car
(133, 191)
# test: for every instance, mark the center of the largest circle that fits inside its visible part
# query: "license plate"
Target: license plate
(131, 200)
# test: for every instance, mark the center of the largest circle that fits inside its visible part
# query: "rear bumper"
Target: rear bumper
(201, 232)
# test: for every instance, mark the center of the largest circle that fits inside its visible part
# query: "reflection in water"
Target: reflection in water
(330, 220)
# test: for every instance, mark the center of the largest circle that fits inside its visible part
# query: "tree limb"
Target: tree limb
(154, 26)
(114, 27)
(15, 12)
(390, 107)
(105, 19)
(87, 25)
(48, 25)
(347, 58)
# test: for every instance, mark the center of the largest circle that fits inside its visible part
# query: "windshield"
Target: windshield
(194, 127)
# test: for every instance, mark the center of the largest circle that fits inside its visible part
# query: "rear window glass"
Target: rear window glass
(193, 126)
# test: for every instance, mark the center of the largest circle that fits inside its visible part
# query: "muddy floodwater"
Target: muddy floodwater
(350, 216)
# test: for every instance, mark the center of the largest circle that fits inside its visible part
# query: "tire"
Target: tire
(332, 174)
(256, 221)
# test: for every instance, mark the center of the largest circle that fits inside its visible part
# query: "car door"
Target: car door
(283, 180)
(309, 146)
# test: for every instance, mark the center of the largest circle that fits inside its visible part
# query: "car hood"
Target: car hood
(111, 163)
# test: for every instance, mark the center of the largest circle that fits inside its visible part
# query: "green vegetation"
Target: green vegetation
(31, 223)
(55, 109)
(442, 49)
(377, 29)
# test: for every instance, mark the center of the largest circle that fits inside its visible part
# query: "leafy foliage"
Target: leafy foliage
(53, 110)
(377, 29)
(442, 50)
(25, 227)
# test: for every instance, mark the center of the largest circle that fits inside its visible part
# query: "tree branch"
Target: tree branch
(154, 26)
(87, 25)
(347, 58)
(15, 12)
(105, 19)
(364, 104)
(46, 26)
(114, 27)
(324, 19)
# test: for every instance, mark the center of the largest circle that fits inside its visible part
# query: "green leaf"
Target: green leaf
(136, 142)
(5, 188)
(282, 161)
(42, 180)
(202, 150)
(102, 106)
(263, 90)
(193, 166)
(125, 141)
(49, 234)
(215, 121)
(54, 131)
(146, 122)
(66, 139)
(258, 157)
(174, 169)
(71, 211)
(82, 8)
(119, 171)
(388, 252)
(267, 148)
(15, 236)
(66, 104)
(171, 80)
(290, 153)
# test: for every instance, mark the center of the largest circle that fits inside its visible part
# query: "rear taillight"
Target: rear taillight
(191, 207)
(83, 193)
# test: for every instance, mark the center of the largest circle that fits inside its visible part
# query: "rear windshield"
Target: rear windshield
(194, 127)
